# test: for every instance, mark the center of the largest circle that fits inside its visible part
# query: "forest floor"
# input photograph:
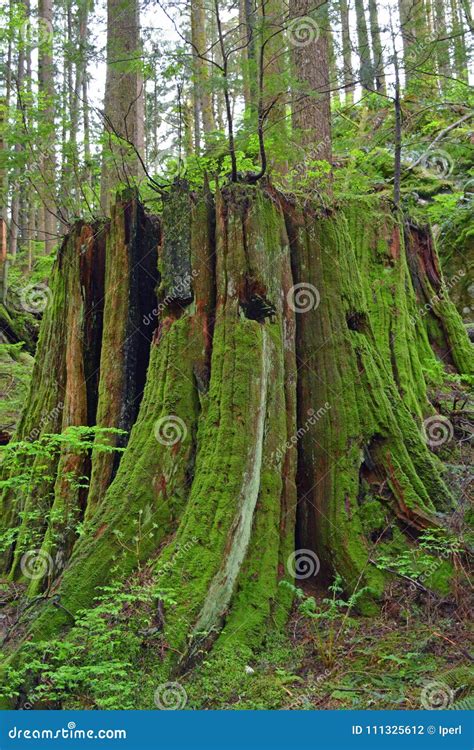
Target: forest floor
(411, 656)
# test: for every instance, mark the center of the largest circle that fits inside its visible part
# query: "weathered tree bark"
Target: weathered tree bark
(284, 396)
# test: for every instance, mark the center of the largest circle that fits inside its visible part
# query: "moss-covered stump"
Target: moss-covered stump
(284, 400)
(128, 325)
(361, 373)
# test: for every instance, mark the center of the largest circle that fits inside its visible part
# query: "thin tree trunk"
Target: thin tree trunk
(348, 75)
(46, 90)
(366, 68)
(442, 46)
(377, 47)
(201, 66)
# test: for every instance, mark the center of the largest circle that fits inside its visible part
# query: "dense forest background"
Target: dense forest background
(236, 304)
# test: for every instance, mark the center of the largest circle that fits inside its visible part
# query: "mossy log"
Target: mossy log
(284, 394)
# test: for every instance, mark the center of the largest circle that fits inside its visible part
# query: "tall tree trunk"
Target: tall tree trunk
(366, 68)
(413, 29)
(311, 110)
(377, 47)
(348, 75)
(459, 42)
(14, 228)
(273, 92)
(123, 101)
(4, 203)
(201, 55)
(248, 19)
(442, 46)
(46, 91)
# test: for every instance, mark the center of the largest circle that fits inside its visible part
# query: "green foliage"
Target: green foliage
(426, 562)
(27, 465)
(333, 616)
(97, 666)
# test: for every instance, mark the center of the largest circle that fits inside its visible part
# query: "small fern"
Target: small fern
(464, 704)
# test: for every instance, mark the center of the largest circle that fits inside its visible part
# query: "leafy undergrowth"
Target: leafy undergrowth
(414, 654)
(16, 366)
